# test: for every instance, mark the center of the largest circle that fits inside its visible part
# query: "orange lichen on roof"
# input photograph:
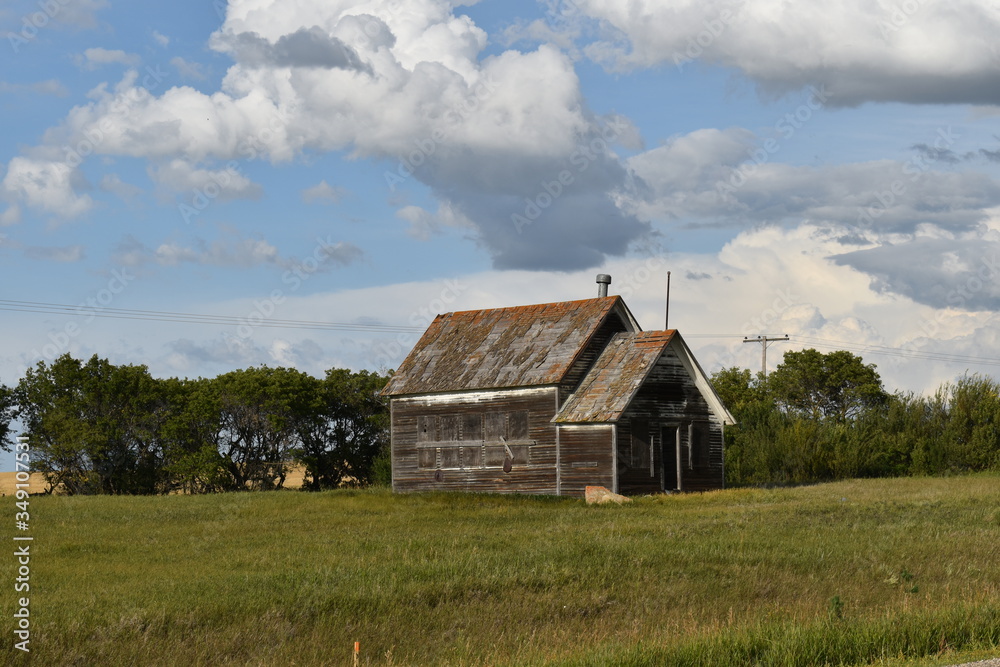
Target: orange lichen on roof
(615, 378)
(522, 346)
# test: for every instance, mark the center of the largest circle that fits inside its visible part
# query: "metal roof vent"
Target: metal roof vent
(603, 280)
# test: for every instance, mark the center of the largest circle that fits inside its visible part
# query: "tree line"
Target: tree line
(97, 427)
(821, 417)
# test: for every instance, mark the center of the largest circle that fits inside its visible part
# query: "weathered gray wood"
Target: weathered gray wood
(474, 458)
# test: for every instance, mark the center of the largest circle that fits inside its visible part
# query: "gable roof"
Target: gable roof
(621, 370)
(615, 378)
(522, 346)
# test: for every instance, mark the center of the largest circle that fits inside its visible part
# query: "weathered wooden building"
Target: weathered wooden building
(551, 398)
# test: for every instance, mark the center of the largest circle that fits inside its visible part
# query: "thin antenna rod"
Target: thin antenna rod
(666, 317)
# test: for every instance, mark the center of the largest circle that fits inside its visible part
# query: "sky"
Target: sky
(200, 186)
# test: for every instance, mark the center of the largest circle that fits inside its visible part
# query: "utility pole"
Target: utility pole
(763, 340)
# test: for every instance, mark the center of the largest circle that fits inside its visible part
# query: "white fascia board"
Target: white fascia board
(474, 395)
(700, 379)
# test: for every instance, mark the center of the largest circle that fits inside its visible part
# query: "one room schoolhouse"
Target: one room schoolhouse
(550, 399)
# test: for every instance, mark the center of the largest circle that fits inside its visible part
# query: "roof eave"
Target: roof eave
(701, 380)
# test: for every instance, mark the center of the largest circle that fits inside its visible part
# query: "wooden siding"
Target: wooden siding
(669, 399)
(488, 441)
(586, 457)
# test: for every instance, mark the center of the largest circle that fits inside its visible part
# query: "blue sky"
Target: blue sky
(826, 170)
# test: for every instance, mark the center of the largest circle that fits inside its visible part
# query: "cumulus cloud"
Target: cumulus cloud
(490, 136)
(115, 185)
(727, 177)
(424, 223)
(162, 40)
(50, 187)
(306, 47)
(235, 251)
(10, 216)
(934, 51)
(188, 69)
(231, 251)
(221, 184)
(323, 193)
(97, 57)
(80, 13)
(942, 272)
(228, 351)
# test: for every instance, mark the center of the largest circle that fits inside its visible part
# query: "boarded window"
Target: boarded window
(427, 457)
(495, 426)
(472, 426)
(451, 457)
(426, 431)
(519, 454)
(519, 425)
(472, 457)
(495, 455)
(449, 428)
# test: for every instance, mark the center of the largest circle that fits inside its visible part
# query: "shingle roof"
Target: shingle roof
(614, 379)
(522, 346)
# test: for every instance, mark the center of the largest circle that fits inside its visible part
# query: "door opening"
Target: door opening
(670, 452)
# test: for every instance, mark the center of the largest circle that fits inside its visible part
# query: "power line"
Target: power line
(882, 350)
(195, 318)
(229, 320)
(900, 352)
(763, 340)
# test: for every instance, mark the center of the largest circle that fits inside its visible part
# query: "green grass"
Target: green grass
(880, 572)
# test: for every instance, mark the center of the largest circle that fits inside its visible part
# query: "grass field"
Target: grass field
(889, 572)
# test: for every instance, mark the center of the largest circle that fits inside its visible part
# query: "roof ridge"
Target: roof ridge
(608, 298)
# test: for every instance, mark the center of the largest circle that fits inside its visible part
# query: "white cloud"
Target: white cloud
(306, 47)
(80, 13)
(489, 136)
(232, 250)
(10, 216)
(97, 57)
(767, 280)
(188, 69)
(162, 40)
(115, 185)
(728, 177)
(323, 193)
(424, 224)
(47, 186)
(933, 51)
(48, 87)
(216, 184)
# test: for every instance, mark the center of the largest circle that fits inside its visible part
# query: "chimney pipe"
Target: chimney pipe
(603, 280)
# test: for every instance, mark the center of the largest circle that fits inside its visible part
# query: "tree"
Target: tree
(259, 410)
(94, 426)
(837, 385)
(341, 438)
(8, 410)
(190, 438)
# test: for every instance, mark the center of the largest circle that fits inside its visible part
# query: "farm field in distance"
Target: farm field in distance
(882, 571)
